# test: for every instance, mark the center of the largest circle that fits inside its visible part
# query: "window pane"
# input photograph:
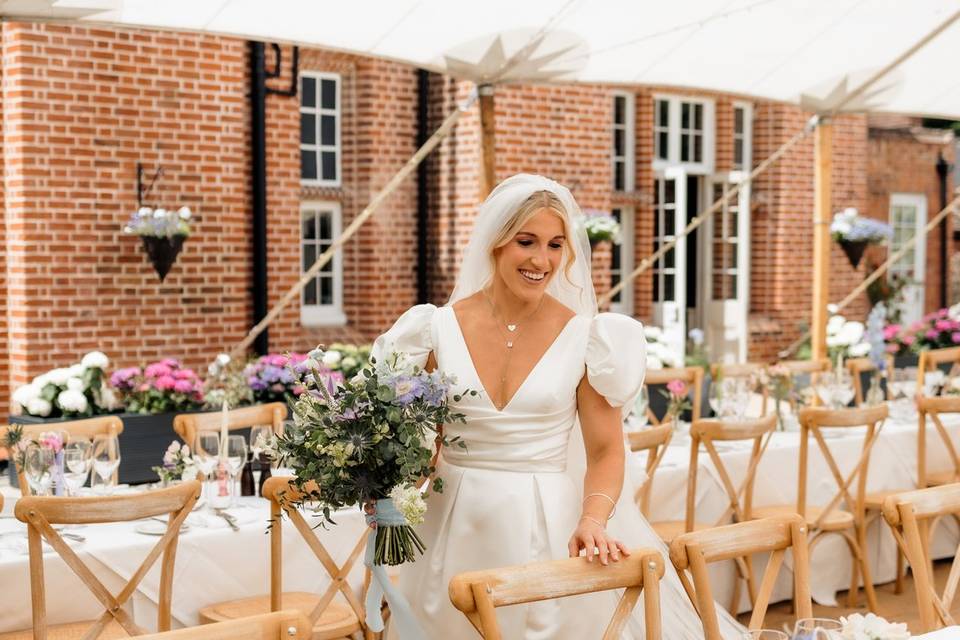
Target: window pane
(308, 128)
(685, 115)
(663, 113)
(670, 259)
(310, 293)
(698, 116)
(328, 130)
(656, 288)
(309, 256)
(326, 291)
(697, 148)
(619, 109)
(308, 91)
(326, 228)
(668, 285)
(738, 153)
(670, 195)
(308, 164)
(684, 147)
(619, 173)
(329, 159)
(310, 228)
(738, 120)
(328, 94)
(669, 222)
(328, 267)
(619, 142)
(662, 148)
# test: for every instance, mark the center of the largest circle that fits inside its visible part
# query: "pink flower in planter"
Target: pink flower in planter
(183, 386)
(171, 362)
(892, 348)
(157, 370)
(943, 313)
(908, 340)
(165, 383)
(943, 325)
(890, 331)
(955, 337)
(184, 374)
(677, 387)
(932, 334)
(144, 387)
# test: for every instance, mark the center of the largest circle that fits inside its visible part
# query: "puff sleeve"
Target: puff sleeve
(411, 334)
(616, 359)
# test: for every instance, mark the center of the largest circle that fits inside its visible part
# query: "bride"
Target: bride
(522, 329)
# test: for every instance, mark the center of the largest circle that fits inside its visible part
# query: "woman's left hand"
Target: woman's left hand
(591, 537)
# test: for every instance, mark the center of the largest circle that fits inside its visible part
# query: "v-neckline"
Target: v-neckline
(476, 372)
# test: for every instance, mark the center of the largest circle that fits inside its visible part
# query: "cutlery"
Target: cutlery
(230, 520)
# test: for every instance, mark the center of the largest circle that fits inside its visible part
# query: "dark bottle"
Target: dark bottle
(247, 485)
(264, 472)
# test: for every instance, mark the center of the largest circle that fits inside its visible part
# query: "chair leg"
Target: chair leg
(860, 557)
(898, 583)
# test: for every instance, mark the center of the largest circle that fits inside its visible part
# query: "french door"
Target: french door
(670, 271)
(908, 217)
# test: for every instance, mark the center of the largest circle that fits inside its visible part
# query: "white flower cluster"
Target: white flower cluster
(409, 502)
(843, 221)
(847, 337)
(659, 353)
(872, 627)
(159, 223)
(65, 388)
(602, 227)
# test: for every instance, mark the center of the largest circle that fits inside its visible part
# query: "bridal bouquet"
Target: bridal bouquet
(368, 442)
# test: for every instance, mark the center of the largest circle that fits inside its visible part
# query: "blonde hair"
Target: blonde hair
(538, 201)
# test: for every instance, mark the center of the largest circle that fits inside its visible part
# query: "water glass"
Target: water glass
(206, 452)
(260, 434)
(106, 460)
(817, 629)
(235, 457)
(765, 634)
(77, 462)
(38, 469)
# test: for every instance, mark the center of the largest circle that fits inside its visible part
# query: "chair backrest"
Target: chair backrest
(911, 516)
(932, 359)
(282, 495)
(87, 429)
(695, 550)
(706, 432)
(40, 513)
(693, 376)
(857, 367)
(934, 407)
(279, 625)
(812, 422)
(654, 441)
(796, 367)
(478, 593)
(741, 371)
(187, 425)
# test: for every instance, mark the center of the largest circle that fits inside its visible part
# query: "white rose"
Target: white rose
(835, 340)
(189, 472)
(145, 212)
(849, 213)
(160, 213)
(653, 362)
(109, 399)
(39, 407)
(331, 358)
(184, 213)
(223, 359)
(26, 393)
(853, 332)
(349, 362)
(841, 227)
(96, 360)
(72, 401)
(76, 371)
(835, 324)
(75, 384)
(859, 350)
(59, 377)
(174, 446)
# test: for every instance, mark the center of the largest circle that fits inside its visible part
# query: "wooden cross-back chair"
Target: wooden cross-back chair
(280, 625)
(188, 425)
(654, 441)
(694, 551)
(934, 407)
(809, 368)
(740, 371)
(692, 376)
(831, 519)
(911, 516)
(857, 367)
(86, 429)
(934, 359)
(328, 618)
(478, 593)
(41, 513)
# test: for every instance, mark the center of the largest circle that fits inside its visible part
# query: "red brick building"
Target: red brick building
(81, 107)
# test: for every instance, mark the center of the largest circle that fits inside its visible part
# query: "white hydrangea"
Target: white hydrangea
(41, 381)
(39, 407)
(409, 502)
(331, 358)
(75, 384)
(109, 399)
(349, 362)
(652, 333)
(77, 370)
(184, 213)
(872, 627)
(73, 401)
(59, 376)
(26, 393)
(96, 360)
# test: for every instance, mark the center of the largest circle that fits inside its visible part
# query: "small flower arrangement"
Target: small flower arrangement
(871, 627)
(75, 391)
(367, 442)
(935, 330)
(276, 377)
(161, 387)
(846, 338)
(226, 383)
(678, 400)
(659, 353)
(16, 445)
(159, 223)
(778, 382)
(601, 226)
(347, 359)
(849, 226)
(177, 464)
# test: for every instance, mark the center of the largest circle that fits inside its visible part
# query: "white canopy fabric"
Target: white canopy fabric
(775, 49)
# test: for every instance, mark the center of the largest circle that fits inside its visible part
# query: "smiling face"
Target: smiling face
(527, 262)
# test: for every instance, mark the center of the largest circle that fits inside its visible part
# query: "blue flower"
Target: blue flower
(407, 389)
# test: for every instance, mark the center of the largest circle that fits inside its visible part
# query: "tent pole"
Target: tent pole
(822, 190)
(488, 177)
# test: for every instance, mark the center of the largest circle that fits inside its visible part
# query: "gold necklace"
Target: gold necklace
(515, 329)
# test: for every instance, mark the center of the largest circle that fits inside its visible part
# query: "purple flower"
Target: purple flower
(407, 389)
(256, 383)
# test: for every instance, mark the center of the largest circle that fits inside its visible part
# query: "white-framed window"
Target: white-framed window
(622, 262)
(742, 136)
(623, 154)
(683, 133)
(908, 218)
(321, 302)
(320, 129)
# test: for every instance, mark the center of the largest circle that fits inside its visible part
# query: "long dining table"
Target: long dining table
(215, 563)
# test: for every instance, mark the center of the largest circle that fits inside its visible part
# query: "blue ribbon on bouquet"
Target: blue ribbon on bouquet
(381, 587)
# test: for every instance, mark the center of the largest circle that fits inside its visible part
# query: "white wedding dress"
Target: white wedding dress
(512, 497)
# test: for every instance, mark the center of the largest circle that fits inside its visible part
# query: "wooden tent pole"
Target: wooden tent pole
(822, 191)
(488, 177)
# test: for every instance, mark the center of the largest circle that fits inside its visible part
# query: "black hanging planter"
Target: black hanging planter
(163, 252)
(854, 250)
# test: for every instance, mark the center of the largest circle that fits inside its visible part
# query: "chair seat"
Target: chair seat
(941, 478)
(336, 621)
(875, 500)
(670, 529)
(836, 520)
(70, 631)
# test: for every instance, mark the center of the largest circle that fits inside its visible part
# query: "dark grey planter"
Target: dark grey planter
(142, 443)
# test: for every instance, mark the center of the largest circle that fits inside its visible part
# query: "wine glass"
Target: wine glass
(106, 460)
(817, 629)
(206, 451)
(235, 457)
(764, 634)
(38, 469)
(77, 460)
(260, 435)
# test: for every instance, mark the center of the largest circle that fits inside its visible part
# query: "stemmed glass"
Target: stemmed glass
(235, 457)
(206, 452)
(817, 629)
(77, 460)
(835, 388)
(106, 460)
(38, 469)
(765, 634)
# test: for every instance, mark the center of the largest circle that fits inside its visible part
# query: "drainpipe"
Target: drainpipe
(423, 213)
(258, 188)
(943, 171)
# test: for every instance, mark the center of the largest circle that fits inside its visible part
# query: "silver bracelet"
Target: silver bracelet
(595, 521)
(612, 501)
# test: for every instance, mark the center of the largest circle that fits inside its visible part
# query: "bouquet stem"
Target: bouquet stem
(397, 544)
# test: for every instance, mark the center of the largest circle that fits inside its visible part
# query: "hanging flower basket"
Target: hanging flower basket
(163, 252)
(854, 250)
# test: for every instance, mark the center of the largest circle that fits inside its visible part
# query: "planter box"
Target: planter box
(142, 443)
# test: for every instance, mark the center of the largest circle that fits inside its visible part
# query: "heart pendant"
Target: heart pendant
(509, 345)
(512, 327)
